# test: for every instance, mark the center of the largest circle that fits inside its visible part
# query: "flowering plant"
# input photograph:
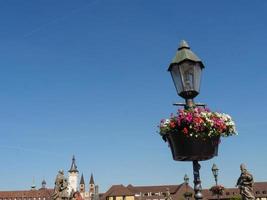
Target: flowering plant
(217, 189)
(198, 122)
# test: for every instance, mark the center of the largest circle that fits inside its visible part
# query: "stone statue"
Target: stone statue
(168, 194)
(61, 186)
(245, 183)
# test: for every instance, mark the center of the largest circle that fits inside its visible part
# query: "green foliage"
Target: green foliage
(236, 197)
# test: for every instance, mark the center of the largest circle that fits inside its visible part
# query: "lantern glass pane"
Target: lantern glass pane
(190, 72)
(186, 77)
(197, 77)
(190, 75)
(176, 77)
(215, 173)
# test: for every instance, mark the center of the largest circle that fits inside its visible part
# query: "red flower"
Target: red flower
(185, 131)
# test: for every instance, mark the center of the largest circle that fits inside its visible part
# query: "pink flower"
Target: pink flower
(189, 117)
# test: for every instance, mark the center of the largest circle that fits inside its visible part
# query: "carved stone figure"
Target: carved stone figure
(61, 186)
(245, 183)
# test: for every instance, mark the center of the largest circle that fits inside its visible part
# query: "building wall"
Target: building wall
(121, 198)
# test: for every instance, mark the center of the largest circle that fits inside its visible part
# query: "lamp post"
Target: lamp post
(185, 70)
(187, 194)
(215, 171)
(186, 180)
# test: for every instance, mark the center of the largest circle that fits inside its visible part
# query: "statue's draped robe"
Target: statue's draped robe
(61, 186)
(245, 183)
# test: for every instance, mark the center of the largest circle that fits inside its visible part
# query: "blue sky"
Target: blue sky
(90, 78)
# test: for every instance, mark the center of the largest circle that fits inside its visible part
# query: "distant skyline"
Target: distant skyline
(89, 78)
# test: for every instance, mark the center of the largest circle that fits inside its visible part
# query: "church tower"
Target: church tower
(73, 177)
(82, 186)
(92, 188)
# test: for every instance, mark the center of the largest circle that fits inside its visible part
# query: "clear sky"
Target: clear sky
(90, 78)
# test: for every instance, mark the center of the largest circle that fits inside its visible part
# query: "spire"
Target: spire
(73, 167)
(184, 45)
(92, 180)
(82, 180)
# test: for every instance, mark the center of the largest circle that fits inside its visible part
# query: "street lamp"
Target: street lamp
(187, 194)
(215, 171)
(186, 179)
(185, 70)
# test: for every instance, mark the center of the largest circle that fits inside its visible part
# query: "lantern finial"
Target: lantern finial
(183, 45)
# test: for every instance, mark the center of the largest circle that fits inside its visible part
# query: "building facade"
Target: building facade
(176, 192)
(33, 194)
(89, 192)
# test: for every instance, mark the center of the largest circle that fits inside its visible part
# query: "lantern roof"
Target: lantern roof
(184, 53)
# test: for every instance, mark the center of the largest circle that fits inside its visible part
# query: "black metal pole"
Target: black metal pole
(197, 182)
(218, 195)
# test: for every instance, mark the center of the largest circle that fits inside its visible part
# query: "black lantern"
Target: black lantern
(215, 171)
(186, 179)
(185, 70)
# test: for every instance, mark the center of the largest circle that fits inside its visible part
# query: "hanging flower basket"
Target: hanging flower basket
(195, 134)
(217, 189)
(189, 148)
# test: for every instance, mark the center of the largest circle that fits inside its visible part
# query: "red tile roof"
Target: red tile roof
(41, 193)
(117, 190)
(154, 189)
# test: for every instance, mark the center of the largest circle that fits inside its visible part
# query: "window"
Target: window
(227, 193)
(257, 192)
(264, 192)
